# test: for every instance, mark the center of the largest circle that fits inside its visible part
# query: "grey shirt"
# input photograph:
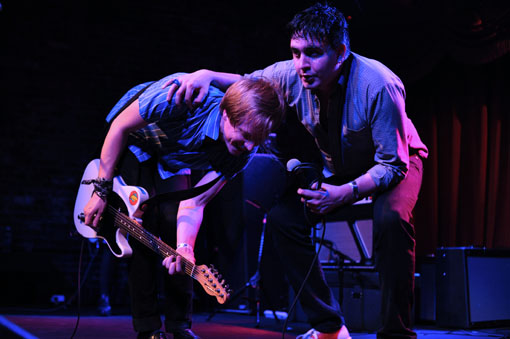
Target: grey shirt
(376, 136)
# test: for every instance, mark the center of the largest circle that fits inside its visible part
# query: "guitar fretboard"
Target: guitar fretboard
(148, 239)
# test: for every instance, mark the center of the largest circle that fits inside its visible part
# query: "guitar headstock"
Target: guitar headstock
(212, 282)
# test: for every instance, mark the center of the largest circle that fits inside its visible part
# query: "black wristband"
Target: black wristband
(355, 190)
(102, 187)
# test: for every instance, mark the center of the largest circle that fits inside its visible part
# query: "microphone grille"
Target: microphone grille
(292, 163)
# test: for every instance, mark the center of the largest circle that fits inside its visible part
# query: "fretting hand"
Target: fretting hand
(175, 264)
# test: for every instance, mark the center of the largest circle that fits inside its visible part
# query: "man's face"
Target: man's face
(238, 139)
(316, 62)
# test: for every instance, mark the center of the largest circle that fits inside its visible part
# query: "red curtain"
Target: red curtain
(454, 59)
(462, 114)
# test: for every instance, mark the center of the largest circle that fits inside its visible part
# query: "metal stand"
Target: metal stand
(254, 281)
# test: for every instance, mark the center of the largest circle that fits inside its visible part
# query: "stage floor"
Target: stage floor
(222, 325)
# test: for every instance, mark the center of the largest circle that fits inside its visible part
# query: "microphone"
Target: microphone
(292, 164)
(305, 173)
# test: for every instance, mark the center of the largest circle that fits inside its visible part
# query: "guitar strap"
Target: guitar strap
(181, 194)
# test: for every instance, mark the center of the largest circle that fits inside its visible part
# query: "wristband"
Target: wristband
(355, 190)
(183, 244)
(102, 186)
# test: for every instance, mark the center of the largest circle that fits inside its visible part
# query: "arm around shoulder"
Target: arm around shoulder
(192, 88)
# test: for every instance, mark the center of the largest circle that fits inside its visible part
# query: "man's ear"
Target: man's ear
(224, 117)
(340, 52)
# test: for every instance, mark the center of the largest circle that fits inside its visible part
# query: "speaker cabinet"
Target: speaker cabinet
(472, 287)
(359, 293)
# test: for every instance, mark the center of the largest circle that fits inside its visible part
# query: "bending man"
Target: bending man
(157, 144)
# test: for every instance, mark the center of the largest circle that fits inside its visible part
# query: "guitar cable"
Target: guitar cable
(78, 302)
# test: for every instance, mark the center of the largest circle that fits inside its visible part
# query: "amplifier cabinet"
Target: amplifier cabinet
(472, 287)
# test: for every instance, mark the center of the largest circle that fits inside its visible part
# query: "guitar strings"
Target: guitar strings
(135, 230)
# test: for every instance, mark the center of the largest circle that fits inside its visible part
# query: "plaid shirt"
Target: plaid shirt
(180, 138)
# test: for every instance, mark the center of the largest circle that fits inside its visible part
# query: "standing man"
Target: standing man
(156, 144)
(354, 107)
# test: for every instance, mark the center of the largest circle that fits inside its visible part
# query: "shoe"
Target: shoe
(185, 334)
(151, 335)
(342, 333)
(104, 307)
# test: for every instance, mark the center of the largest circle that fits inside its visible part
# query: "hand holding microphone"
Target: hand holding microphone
(320, 198)
(309, 178)
(307, 174)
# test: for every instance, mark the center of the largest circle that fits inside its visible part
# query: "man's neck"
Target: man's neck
(324, 92)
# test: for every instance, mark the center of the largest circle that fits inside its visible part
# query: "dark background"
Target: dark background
(64, 64)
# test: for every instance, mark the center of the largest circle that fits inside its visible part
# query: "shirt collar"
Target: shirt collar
(346, 70)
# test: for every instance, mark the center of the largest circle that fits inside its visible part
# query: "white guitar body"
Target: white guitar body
(131, 196)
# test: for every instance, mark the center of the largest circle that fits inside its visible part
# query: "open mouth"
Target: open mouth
(307, 78)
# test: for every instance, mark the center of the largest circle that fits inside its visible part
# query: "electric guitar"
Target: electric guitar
(122, 216)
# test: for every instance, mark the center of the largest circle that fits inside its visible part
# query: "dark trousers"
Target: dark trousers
(145, 269)
(394, 243)
(293, 244)
(394, 250)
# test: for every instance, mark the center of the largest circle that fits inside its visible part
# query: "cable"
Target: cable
(93, 255)
(323, 221)
(79, 289)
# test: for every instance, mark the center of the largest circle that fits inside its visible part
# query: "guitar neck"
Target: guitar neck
(148, 239)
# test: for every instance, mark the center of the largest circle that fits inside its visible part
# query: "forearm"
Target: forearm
(223, 80)
(128, 121)
(113, 145)
(365, 185)
(189, 220)
(191, 211)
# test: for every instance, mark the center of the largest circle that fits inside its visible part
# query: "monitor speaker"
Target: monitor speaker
(472, 287)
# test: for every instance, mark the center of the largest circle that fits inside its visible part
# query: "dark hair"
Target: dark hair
(323, 23)
(257, 103)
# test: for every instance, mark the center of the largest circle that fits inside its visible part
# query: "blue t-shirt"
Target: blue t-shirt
(180, 138)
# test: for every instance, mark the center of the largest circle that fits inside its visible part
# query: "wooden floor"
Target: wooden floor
(222, 325)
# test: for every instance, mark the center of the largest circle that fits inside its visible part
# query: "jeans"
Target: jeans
(394, 246)
(145, 269)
